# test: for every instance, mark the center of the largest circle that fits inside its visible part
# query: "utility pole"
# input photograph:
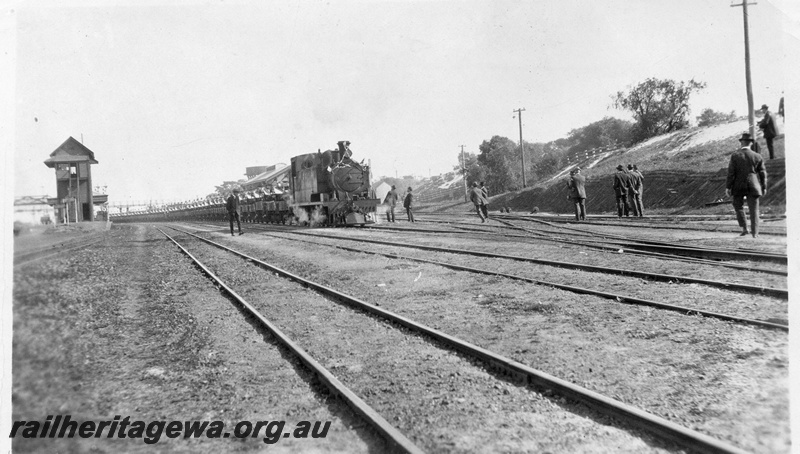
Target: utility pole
(748, 81)
(521, 145)
(464, 171)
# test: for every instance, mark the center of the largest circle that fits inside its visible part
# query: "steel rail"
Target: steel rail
(580, 290)
(661, 245)
(780, 293)
(24, 258)
(396, 439)
(591, 244)
(634, 416)
(631, 225)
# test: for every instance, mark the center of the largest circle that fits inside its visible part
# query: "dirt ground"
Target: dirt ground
(128, 328)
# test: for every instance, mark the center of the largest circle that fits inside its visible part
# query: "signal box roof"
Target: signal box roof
(70, 151)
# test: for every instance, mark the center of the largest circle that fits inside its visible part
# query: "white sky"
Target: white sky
(175, 97)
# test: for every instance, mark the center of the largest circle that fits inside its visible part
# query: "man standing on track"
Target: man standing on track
(635, 193)
(391, 200)
(485, 206)
(747, 177)
(232, 205)
(477, 198)
(577, 193)
(408, 204)
(622, 184)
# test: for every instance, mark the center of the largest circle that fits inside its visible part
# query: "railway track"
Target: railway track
(776, 292)
(504, 367)
(396, 440)
(649, 224)
(626, 299)
(540, 236)
(643, 244)
(24, 257)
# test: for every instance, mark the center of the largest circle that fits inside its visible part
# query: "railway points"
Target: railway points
(636, 417)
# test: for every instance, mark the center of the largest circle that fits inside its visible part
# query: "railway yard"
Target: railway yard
(523, 334)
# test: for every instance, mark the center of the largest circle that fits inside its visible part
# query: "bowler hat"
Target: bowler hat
(764, 107)
(620, 167)
(394, 187)
(409, 189)
(474, 184)
(745, 138)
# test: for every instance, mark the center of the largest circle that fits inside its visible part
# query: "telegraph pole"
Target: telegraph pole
(748, 81)
(464, 171)
(521, 145)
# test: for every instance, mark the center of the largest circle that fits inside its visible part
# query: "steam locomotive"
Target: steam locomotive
(324, 188)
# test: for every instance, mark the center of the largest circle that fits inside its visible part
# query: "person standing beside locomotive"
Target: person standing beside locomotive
(408, 203)
(577, 193)
(485, 207)
(391, 200)
(232, 205)
(767, 125)
(622, 184)
(747, 177)
(477, 198)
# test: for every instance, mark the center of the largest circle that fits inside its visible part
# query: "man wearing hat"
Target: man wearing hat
(577, 192)
(477, 198)
(622, 185)
(747, 178)
(232, 205)
(767, 126)
(635, 193)
(485, 192)
(408, 204)
(391, 200)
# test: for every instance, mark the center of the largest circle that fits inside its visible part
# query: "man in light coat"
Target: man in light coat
(391, 200)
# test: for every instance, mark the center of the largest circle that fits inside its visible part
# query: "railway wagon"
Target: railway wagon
(331, 188)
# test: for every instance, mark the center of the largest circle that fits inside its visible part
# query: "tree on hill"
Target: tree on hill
(501, 158)
(709, 117)
(659, 106)
(608, 132)
(474, 170)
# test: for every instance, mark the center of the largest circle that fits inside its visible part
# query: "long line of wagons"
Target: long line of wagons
(324, 188)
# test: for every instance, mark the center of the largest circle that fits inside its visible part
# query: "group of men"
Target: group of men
(391, 199)
(628, 187)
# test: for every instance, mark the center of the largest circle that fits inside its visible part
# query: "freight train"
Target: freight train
(323, 188)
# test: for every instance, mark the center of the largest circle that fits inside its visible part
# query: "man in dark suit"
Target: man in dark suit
(485, 207)
(477, 198)
(747, 178)
(577, 193)
(622, 184)
(408, 204)
(232, 205)
(767, 125)
(635, 192)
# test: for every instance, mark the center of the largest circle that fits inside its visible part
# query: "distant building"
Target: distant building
(33, 210)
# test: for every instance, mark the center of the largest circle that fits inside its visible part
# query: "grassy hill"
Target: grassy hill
(684, 171)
